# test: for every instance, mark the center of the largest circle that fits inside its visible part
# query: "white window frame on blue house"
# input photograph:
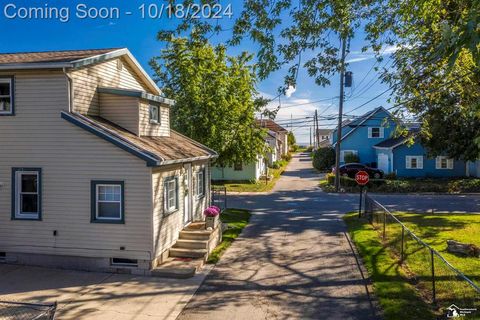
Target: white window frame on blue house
(418, 162)
(381, 133)
(443, 163)
(342, 154)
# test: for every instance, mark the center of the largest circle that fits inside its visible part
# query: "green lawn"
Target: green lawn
(258, 186)
(236, 219)
(404, 291)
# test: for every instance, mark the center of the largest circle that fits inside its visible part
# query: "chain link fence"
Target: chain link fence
(219, 197)
(437, 280)
(10, 310)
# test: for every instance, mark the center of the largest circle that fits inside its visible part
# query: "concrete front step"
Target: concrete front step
(195, 235)
(188, 253)
(191, 244)
(179, 268)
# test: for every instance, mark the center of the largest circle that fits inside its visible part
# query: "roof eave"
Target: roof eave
(175, 161)
(32, 66)
(136, 94)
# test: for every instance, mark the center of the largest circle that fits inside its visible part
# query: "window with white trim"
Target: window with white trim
(6, 96)
(414, 162)
(27, 193)
(200, 181)
(376, 132)
(154, 112)
(346, 153)
(171, 194)
(442, 162)
(108, 201)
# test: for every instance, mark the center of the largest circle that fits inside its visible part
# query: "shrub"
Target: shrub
(351, 158)
(390, 176)
(287, 157)
(309, 149)
(464, 185)
(276, 165)
(324, 158)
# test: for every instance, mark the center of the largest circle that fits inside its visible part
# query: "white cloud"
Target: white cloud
(290, 90)
(358, 56)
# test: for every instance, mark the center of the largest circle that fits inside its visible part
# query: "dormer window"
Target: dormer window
(375, 132)
(6, 96)
(154, 114)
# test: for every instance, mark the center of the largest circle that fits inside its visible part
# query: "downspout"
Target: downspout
(70, 90)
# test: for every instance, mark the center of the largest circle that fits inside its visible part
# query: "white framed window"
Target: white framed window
(376, 132)
(27, 195)
(170, 194)
(414, 162)
(154, 114)
(108, 201)
(442, 162)
(6, 96)
(200, 183)
(346, 153)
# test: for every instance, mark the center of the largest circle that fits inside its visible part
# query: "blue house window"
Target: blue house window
(107, 203)
(376, 132)
(26, 193)
(442, 162)
(414, 162)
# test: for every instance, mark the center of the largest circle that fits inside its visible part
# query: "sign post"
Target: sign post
(362, 179)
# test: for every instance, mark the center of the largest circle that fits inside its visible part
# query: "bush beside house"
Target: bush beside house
(324, 158)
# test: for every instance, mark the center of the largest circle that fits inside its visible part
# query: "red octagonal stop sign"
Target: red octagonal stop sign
(362, 178)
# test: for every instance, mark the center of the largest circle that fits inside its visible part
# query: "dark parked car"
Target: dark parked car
(350, 169)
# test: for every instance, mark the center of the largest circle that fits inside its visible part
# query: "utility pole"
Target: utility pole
(310, 136)
(317, 134)
(340, 113)
(315, 129)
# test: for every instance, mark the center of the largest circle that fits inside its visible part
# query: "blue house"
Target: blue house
(371, 138)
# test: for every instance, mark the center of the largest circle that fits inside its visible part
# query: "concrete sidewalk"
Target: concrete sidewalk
(89, 295)
(293, 261)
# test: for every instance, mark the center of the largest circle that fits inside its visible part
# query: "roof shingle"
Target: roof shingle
(271, 125)
(50, 56)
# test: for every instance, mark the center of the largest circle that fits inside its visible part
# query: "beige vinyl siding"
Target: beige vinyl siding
(106, 74)
(70, 158)
(166, 227)
(121, 110)
(151, 129)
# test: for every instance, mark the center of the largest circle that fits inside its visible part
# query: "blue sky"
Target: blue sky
(139, 35)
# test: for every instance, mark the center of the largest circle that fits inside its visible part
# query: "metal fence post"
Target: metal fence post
(384, 223)
(402, 249)
(434, 300)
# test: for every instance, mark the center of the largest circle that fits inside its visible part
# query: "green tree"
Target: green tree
(291, 139)
(434, 38)
(214, 96)
(324, 158)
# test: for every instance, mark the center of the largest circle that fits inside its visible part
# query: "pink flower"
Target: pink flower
(211, 211)
(216, 208)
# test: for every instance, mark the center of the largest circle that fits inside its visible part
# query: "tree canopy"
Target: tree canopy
(215, 97)
(436, 63)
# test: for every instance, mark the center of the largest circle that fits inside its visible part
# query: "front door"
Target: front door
(187, 185)
(383, 162)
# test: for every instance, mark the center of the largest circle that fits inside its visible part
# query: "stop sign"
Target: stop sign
(362, 178)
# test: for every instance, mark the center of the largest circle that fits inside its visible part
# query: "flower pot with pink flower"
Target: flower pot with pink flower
(212, 217)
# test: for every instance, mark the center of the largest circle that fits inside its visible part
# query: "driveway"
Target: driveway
(293, 261)
(90, 295)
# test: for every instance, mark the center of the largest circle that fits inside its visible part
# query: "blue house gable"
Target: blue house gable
(371, 138)
(361, 135)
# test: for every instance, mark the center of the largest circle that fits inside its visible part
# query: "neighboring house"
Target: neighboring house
(91, 175)
(371, 138)
(280, 133)
(473, 168)
(324, 136)
(277, 142)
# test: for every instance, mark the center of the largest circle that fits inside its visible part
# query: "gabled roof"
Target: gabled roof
(362, 119)
(324, 132)
(72, 59)
(271, 125)
(156, 151)
(392, 143)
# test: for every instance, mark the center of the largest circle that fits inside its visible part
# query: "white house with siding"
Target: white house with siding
(91, 175)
